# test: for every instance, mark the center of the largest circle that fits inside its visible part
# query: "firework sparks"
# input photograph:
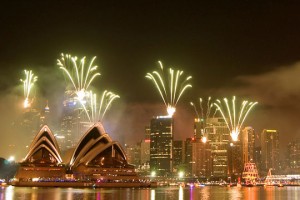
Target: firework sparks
(28, 83)
(96, 111)
(233, 123)
(170, 88)
(205, 113)
(80, 77)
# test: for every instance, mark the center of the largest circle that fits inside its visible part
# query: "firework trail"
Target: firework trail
(205, 113)
(96, 111)
(170, 87)
(229, 114)
(80, 76)
(28, 83)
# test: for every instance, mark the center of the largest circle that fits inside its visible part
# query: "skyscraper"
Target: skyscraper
(270, 149)
(161, 145)
(145, 151)
(44, 116)
(74, 122)
(201, 159)
(248, 144)
(235, 159)
(133, 153)
(178, 155)
(293, 156)
(218, 139)
(188, 151)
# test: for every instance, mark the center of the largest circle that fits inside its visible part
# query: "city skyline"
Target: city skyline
(247, 50)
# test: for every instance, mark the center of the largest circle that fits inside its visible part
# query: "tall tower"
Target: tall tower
(178, 155)
(293, 157)
(74, 121)
(30, 122)
(270, 149)
(161, 145)
(218, 139)
(188, 151)
(44, 117)
(201, 162)
(248, 144)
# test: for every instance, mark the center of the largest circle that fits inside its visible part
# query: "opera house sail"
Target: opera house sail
(96, 161)
(98, 158)
(43, 161)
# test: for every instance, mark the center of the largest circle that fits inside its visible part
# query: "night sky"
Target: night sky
(250, 49)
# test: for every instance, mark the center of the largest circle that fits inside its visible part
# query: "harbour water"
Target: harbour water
(160, 193)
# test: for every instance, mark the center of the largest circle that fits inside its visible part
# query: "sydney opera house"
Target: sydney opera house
(97, 161)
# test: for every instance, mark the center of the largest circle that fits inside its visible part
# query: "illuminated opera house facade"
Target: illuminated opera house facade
(96, 161)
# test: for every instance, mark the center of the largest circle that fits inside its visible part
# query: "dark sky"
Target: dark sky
(245, 48)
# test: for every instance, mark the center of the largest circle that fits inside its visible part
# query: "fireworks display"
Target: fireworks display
(80, 76)
(96, 111)
(205, 112)
(233, 121)
(170, 87)
(28, 83)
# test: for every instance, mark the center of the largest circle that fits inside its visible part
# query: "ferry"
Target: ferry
(250, 174)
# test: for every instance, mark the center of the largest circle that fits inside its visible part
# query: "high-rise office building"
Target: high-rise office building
(161, 145)
(270, 149)
(293, 156)
(147, 132)
(133, 153)
(30, 121)
(68, 124)
(248, 144)
(198, 128)
(145, 151)
(178, 156)
(257, 159)
(201, 159)
(44, 116)
(188, 151)
(74, 122)
(145, 147)
(218, 139)
(235, 159)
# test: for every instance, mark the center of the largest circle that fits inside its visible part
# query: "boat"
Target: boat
(250, 174)
(280, 185)
(268, 181)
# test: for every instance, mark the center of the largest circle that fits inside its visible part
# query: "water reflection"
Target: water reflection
(205, 193)
(152, 194)
(160, 193)
(235, 193)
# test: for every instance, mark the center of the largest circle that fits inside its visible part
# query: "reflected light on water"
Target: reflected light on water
(98, 196)
(9, 193)
(205, 193)
(160, 193)
(235, 193)
(69, 194)
(180, 193)
(292, 193)
(152, 194)
(191, 193)
(270, 192)
(34, 194)
(251, 193)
